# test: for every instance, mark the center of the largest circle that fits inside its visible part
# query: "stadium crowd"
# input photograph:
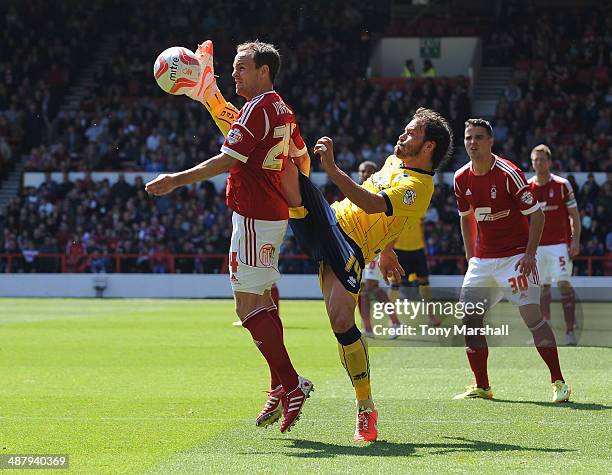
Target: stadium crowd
(91, 221)
(560, 92)
(126, 123)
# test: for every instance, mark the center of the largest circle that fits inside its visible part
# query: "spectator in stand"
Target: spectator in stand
(409, 71)
(428, 69)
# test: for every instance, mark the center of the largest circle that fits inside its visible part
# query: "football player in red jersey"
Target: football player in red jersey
(262, 137)
(554, 258)
(494, 200)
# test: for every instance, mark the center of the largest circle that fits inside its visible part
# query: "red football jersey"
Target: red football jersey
(555, 198)
(501, 200)
(264, 134)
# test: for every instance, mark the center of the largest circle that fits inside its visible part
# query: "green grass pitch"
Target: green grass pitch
(163, 386)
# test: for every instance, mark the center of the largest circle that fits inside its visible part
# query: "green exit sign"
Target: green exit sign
(430, 47)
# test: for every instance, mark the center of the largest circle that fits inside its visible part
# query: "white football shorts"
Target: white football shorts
(494, 278)
(253, 255)
(554, 263)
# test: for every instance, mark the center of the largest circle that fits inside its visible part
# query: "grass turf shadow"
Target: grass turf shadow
(579, 406)
(383, 448)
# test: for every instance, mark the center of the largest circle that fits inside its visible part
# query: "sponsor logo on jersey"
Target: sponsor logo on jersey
(266, 253)
(468, 192)
(485, 214)
(234, 136)
(493, 192)
(409, 197)
(527, 197)
(381, 180)
(551, 193)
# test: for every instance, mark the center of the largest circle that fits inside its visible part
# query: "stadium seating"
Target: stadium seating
(125, 122)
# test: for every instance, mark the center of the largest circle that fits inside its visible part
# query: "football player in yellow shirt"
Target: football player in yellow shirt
(347, 235)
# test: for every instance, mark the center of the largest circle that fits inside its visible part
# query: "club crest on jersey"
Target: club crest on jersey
(493, 192)
(551, 193)
(409, 197)
(527, 197)
(234, 136)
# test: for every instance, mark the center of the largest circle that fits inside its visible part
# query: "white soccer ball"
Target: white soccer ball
(176, 70)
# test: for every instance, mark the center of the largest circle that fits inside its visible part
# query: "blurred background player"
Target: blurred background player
(347, 235)
(410, 250)
(557, 199)
(494, 200)
(262, 136)
(372, 277)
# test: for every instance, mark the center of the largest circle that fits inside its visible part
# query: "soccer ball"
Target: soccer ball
(176, 70)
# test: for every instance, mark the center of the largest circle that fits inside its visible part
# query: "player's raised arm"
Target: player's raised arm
(168, 182)
(369, 202)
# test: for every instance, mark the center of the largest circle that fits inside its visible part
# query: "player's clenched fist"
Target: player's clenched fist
(162, 185)
(325, 148)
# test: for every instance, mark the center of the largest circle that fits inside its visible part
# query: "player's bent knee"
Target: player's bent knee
(342, 320)
(349, 336)
(246, 303)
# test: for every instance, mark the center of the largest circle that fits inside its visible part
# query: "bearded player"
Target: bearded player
(347, 235)
(494, 200)
(559, 243)
(260, 138)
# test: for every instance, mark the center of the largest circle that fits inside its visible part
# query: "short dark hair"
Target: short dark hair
(439, 131)
(263, 53)
(485, 124)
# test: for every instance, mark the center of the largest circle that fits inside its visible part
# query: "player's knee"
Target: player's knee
(348, 336)
(565, 287)
(342, 321)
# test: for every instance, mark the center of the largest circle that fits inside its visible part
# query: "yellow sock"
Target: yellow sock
(354, 358)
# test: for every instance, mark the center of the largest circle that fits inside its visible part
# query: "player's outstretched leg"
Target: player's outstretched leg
(545, 343)
(353, 352)
(477, 352)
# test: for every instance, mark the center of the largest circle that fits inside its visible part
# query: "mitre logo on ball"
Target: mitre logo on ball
(177, 70)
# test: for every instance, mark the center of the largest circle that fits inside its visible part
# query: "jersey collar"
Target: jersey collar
(418, 170)
(403, 166)
(262, 94)
(495, 158)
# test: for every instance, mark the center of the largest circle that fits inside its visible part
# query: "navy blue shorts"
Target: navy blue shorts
(321, 237)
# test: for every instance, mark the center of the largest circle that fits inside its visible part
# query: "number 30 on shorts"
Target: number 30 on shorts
(518, 283)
